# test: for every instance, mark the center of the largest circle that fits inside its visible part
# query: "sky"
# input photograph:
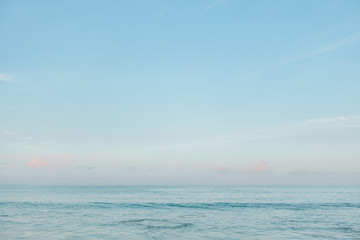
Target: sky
(201, 92)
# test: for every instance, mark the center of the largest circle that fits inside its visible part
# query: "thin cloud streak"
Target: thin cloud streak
(215, 4)
(332, 46)
(86, 167)
(7, 132)
(265, 134)
(6, 77)
(333, 119)
(313, 53)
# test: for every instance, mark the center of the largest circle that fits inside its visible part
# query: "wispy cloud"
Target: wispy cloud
(309, 127)
(261, 167)
(214, 4)
(6, 77)
(327, 48)
(35, 163)
(222, 169)
(7, 132)
(185, 10)
(85, 167)
(332, 119)
(4, 163)
(332, 46)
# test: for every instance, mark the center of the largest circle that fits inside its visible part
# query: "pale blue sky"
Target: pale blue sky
(180, 92)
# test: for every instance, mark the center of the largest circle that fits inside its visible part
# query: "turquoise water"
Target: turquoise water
(114, 212)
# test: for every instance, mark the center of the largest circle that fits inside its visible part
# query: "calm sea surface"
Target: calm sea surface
(179, 212)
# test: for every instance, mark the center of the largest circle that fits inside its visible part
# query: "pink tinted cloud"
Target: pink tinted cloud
(261, 167)
(222, 169)
(35, 163)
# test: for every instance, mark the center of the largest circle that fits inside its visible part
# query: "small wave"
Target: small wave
(189, 205)
(346, 229)
(182, 225)
(101, 203)
(227, 205)
(133, 220)
(156, 223)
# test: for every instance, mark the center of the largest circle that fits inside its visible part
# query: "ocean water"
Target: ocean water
(156, 212)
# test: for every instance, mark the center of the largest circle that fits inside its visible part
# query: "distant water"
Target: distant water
(113, 212)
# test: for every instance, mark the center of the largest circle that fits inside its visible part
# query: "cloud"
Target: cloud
(306, 171)
(222, 169)
(35, 163)
(6, 132)
(325, 48)
(261, 167)
(184, 11)
(86, 167)
(214, 4)
(332, 46)
(312, 53)
(332, 119)
(6, 77)
(304, 129)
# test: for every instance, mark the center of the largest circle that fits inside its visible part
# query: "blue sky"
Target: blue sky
(180, 92)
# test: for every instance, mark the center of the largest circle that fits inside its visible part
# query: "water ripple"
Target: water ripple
(197, 205)
(156, 223)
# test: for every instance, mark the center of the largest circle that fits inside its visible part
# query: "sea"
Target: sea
(178, 212)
